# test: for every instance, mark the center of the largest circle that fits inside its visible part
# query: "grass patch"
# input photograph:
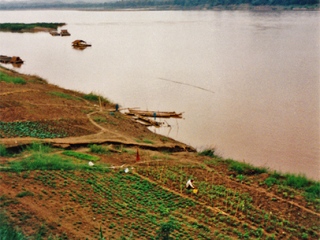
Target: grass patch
(94, 148)
(145, 140)
(296, 181)
(244, 168)
(95, 98)
(40, 161)
(99, 119)
(64, 95)
(9, 79)
(81, 156)
(24, 194)
(39, 148)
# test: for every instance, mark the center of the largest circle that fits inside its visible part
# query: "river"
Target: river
(247, 82)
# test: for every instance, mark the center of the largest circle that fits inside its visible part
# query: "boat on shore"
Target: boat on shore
(155, 114)
(13, 60)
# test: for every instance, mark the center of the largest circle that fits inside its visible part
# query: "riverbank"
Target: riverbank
(134, 182)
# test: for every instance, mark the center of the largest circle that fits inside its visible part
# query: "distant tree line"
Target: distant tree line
(160, 4)
(207, 3)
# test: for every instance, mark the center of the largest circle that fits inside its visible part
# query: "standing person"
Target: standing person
(189, 184)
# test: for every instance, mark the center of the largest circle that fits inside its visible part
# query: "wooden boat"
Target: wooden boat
(54, 33)
(154, 114)
(13, 60)
(64, 32)
(80, 44)
(5, 59)
(147, 121)
(16, 60)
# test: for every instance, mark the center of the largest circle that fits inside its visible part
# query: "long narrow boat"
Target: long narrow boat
(154, 113)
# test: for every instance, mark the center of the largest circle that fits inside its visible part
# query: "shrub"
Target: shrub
(313, 191)
(24, 194)
(98, 149)
(3, 151)
(296, 181)
(209, 153)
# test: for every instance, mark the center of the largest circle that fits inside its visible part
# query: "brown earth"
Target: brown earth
(84, 122)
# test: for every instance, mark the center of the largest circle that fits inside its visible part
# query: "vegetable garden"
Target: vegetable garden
(138, 203)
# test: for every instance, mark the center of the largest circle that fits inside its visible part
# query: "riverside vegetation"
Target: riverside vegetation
(48, 190)
(28, 27)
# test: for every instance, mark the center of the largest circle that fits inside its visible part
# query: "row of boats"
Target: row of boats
(145, 117)
(17, 61)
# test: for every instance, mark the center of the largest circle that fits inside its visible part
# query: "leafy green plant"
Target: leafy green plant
(240, 177)
(101, 237)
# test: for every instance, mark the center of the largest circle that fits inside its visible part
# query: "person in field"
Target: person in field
(189, 184)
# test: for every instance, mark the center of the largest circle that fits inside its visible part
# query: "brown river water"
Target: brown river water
(246, 82)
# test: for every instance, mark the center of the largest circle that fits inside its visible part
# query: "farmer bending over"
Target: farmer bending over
(189, 184)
